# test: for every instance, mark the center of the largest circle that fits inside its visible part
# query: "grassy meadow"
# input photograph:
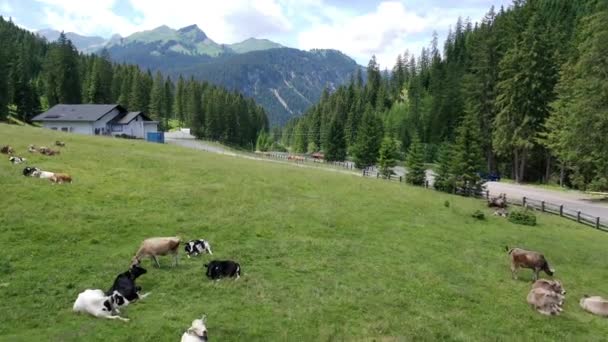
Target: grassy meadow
(325, 256)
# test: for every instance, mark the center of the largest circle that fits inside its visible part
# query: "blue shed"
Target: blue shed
(157, 137)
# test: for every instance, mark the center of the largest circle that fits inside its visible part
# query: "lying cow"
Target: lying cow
(197, 331)
(545, 301)
(29, 171)
(125, 284)
(521, 258)
(7, 150)
(49, 152)
(32, 149)
(498, 202)
(595, 305)
(98, 304)
(60, 178)
(59, 143)
(16, 160)
(196, 247)
(551, 285)
(217, 269)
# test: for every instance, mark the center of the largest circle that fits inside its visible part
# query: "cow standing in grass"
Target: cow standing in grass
(521, 258)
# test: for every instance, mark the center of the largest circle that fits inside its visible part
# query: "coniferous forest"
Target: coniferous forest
(35, 75)
(523, 93)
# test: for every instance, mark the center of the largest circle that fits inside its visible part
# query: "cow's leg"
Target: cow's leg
(156, 261)
(143, 295)
(118, 317)
(513, 271)
(535, 276)
(175, 256)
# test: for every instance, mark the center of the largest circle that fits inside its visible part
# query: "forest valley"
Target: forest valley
(523, 93)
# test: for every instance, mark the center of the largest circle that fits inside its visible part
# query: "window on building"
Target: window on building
(116, 128)
(65, 129)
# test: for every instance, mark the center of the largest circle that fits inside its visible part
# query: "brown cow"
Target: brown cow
(49, 152)
(7, 150)
(498, 202)
(61, 178)
(521, 258)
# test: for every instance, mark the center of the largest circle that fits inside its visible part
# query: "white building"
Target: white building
(92, 119)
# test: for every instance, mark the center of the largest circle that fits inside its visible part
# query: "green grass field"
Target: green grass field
(325, 256)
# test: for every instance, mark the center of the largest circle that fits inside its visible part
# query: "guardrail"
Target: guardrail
(526, 202)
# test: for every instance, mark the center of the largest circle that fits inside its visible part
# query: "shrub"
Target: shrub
(479, 215)
(446, 204)
(525, 217)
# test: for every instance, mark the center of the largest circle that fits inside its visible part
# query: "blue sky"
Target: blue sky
(358, 28)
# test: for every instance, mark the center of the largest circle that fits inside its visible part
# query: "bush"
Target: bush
(479, 215)
(524, 217)
(446, 204)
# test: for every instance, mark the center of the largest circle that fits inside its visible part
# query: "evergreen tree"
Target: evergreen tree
(178, 104)
(467, 159)
(336, 143)
(444, 179)
(388, 156)
(61, 70)
(300, 137)
(416, 173)
(369, 138)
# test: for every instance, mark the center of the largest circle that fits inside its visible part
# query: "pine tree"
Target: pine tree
(369, 138)
(178, 104)
(301, 137)
(467, 159)
(336, 143)
(388, 156)
(157, 97)
(62, 81)
(444, 180)
(416, 173)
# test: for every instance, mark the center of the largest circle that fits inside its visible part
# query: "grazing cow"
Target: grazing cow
(196, 247)
(59, 143)
(60, 178)
(551, 285)
(521, 258)
(154, 247)
(16, 160)
(7, 150)
(595, 305)
(217, 269)
(32, 149)
(98, 304)
(197, 331)
(30, 171)
(43, 149)
(545, 301)
(125, 284)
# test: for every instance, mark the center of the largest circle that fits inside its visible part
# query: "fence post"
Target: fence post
(426, 184)
(597, 223)
(488, 194)
(523, 201)
(400, 178)
(377, 174)
(578, 216)
(542, 206)
(561, 210)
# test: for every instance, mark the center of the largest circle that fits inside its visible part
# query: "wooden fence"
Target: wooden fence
(304, 159)
(526, 202)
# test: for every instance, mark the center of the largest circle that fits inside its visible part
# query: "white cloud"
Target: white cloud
(383, 32)
(85, 17)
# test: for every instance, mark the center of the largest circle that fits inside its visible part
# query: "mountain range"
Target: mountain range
(285, 81)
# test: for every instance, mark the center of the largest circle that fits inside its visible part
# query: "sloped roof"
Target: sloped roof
(128, 117)
(78, 112)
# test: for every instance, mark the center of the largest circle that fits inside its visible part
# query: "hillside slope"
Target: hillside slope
(325, 256)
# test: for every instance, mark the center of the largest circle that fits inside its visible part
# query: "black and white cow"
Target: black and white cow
(217, 269)
(29, 171)
(196, 247)
(98, 304)
(16, 160)
(125, 284)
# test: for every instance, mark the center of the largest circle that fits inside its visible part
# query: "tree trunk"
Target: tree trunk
(548, 168)
(522, 167)
(516, 166)
(562, 174)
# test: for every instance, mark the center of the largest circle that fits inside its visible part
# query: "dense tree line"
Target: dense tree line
(523, 93)
(36, 75)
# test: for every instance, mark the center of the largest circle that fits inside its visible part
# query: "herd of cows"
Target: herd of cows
(546, 296)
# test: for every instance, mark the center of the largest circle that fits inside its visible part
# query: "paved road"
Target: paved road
(574, 200)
